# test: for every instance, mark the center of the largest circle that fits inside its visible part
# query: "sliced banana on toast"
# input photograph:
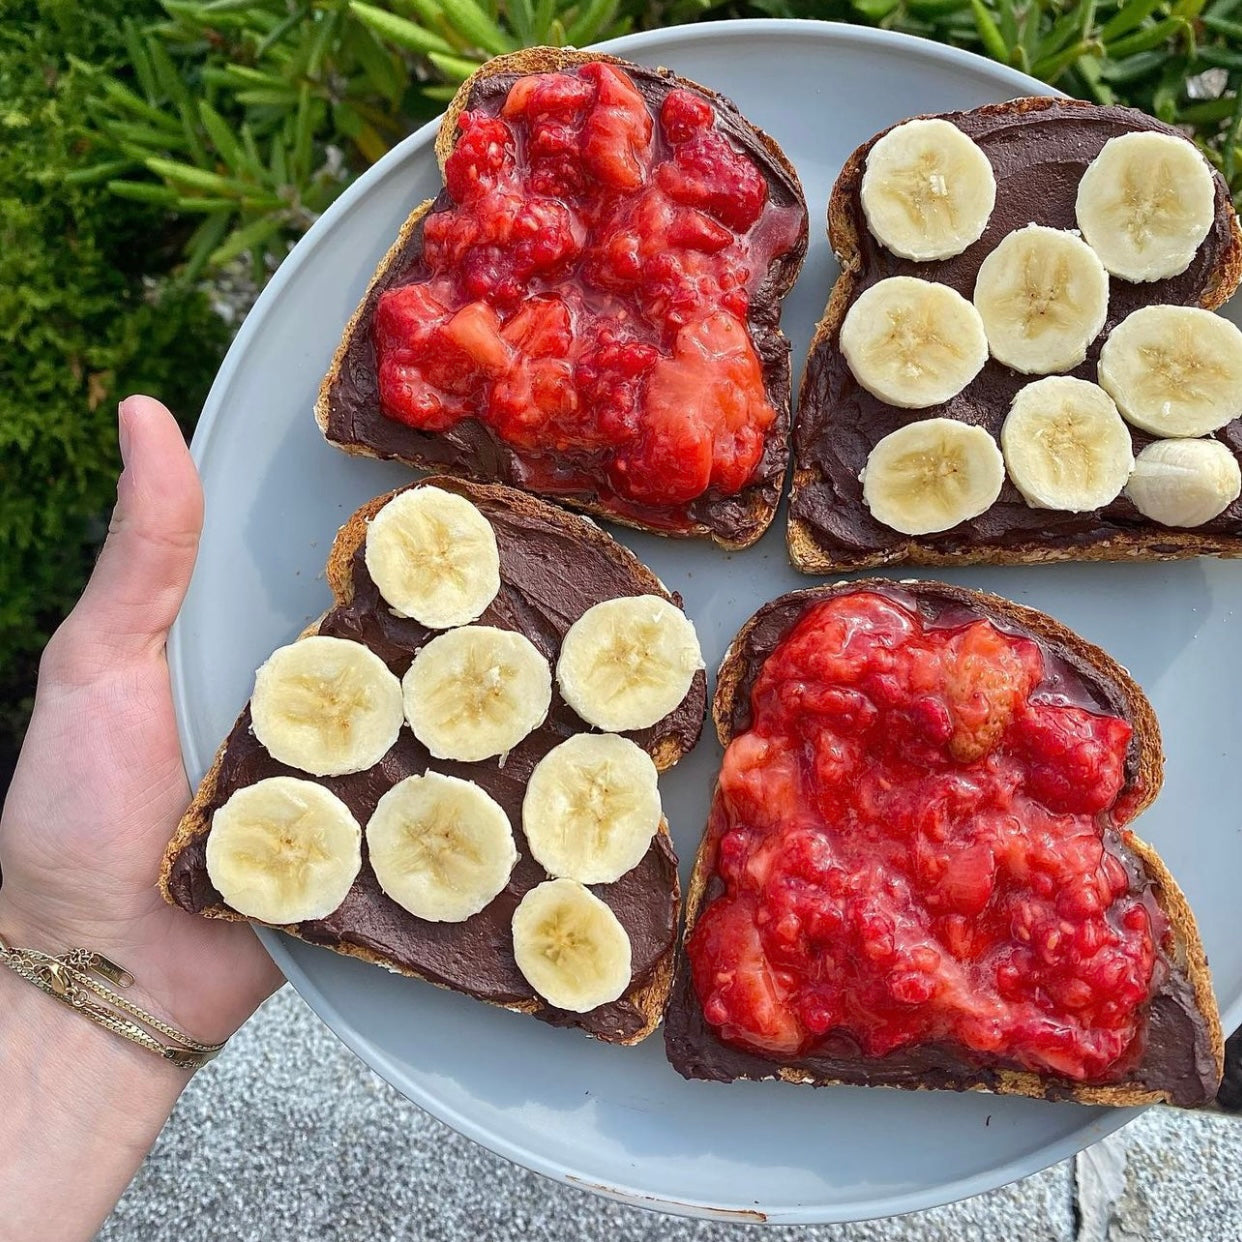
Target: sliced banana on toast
(1043, 297)
(928, 190)
(592, 806)
(433, 556)
(570, 946)
(932, 474)
(328, 706)
(476, 692)
(1145, 205)
(441, 847)
(1065, 445)
(913, 343)
(626, 663)
(421, 868)
(284, 850)
(1184, 483)
(1174, 370)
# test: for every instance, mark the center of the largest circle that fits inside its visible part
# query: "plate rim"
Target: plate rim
(1097, 1123)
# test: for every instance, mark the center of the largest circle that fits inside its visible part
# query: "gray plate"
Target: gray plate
(619, 1120)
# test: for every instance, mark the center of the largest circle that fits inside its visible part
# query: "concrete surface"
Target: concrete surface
(286, 1137)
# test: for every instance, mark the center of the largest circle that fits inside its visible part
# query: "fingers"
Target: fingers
(142, 573)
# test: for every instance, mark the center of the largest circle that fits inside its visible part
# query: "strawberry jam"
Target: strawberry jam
(910, 849)
(584, 290)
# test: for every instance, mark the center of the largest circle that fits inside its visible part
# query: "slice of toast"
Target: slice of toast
(1175, 1054)
(553, 567)
(563, 458)
(1038, 149)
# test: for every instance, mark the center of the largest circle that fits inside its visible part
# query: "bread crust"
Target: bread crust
(1144, 778)
(648, 994)
(761, 498)
(1157, 543)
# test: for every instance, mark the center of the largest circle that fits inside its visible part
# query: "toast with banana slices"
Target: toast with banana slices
(1018, 362)
(590, 307)
(453, 772)
(919, 871)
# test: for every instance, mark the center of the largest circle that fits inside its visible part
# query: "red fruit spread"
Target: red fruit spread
(585, 291)
(910, 850)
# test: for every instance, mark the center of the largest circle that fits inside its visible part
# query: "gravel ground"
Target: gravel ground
(286, 1137)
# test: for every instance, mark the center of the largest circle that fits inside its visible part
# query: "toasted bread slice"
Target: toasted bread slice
(1038, 148)
(1179, 1043)
(348, 407)
(553, 565)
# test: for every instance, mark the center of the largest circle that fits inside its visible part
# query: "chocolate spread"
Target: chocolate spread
(472, 448)
(1038, 156)
(548, 579)
(1176, 1053)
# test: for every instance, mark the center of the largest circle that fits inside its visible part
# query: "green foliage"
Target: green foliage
(79, 326)
(253, 115)
(1179, 60)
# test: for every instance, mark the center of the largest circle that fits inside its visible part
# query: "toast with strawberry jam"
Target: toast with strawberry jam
(590, 307)
(918, 869)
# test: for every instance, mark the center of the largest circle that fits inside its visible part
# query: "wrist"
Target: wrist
(82, 1108)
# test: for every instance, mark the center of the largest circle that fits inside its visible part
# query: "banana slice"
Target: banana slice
(433, 556)
(927, 190)
(326, 705)
(1043, 297)
(1065, 445)
(283, 850)
(1174, 370)
(591, 808)
(932, 474)
(913, 343)
(1184, 482)
(570, 946)
(440, 847)
(476, 692)
(1145, 204)
(628, 662)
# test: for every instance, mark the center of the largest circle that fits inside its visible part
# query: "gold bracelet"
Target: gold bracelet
(70, 979)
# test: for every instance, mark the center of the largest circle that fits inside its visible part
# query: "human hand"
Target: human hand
(99, 786)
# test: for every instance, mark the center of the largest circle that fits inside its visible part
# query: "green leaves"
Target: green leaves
(255, 114)
(252, 115)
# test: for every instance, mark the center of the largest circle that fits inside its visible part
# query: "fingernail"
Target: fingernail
(122, 430)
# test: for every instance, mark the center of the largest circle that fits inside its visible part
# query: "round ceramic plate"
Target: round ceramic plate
(619, 1120)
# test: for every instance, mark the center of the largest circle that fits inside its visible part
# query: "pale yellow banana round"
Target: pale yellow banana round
(570, 946)
(913, 343)
(932, 474)
(476, 692)
(927, 190)
(628, 662)
(1043, 297)
(1184, 483)
(1145, 204)
(433, 556)
(1174, 370)
(592, 806)
(441, 848)
(326, 705)
(1065, 445)
(283, 851)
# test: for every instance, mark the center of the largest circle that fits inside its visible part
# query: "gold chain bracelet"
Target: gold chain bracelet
(75, 977)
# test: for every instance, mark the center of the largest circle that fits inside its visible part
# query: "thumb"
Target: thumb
(144, 568)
